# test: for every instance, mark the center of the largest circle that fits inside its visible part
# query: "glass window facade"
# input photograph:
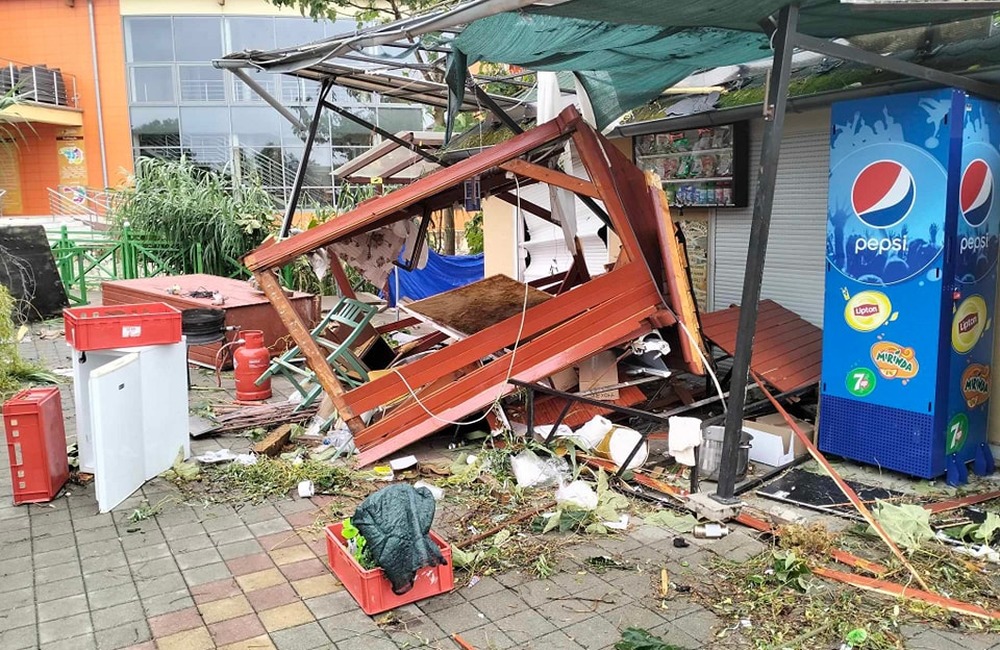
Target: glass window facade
(181, 105)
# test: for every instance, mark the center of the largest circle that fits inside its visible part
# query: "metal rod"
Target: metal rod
(97, 93)
(495, 108)
(783, 40)
(268, 97)
(624, 410)
(412, 146)
(300, 173)
(850, 53)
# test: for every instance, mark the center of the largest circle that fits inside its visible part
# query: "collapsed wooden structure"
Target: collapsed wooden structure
(647, 287)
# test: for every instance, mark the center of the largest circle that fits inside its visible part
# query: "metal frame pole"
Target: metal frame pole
(412, 146)
(783, 39)
(268, 97)
(300, 173)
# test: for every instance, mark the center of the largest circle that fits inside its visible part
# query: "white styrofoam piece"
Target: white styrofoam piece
(115, 421)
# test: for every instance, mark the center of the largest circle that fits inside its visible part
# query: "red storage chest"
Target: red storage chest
(371, 589)
(36, 444)
(122, 326)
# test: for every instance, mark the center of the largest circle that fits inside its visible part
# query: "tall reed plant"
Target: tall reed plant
(196, 214)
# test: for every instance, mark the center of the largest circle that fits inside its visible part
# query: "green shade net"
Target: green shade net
(628, 51)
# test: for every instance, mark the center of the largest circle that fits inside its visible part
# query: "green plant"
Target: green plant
(357, 544)
(609, 507)
(15, 371)
(635, 638)
(787, 570)
(474, 233)
(197, 213)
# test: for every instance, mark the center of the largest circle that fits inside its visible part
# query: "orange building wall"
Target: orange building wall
(52, 33)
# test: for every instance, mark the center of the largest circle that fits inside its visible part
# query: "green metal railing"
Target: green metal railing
(87, 258)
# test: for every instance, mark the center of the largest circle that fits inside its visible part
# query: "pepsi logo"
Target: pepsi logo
(883, 193)
(976, 192)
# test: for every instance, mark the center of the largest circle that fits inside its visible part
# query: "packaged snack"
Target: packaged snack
(670, 166)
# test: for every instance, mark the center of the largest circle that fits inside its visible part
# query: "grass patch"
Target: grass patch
(15, 372)
(273, 477)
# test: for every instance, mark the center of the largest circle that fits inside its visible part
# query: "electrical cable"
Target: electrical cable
(510, 368)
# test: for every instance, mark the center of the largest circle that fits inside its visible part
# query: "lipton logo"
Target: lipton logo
(865, 310)
(976, 384)
(868, 310)
(967, 323)
(894, 361)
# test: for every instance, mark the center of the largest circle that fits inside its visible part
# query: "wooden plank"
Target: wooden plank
(397, 325)
(631, 185)
(901, 591)
(486, 393)
(476, 306)
(373, 213)
(554, 177)
(594, 160)
(548, 346)
(952, 504)
(274, 442)
(309, 348)
(527, 206)
(496, 337)
(680, 296)
(844, 487)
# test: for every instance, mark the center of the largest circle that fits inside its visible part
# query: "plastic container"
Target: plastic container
(710, 454)
(371, 589)
(36, 444)
(122, 326)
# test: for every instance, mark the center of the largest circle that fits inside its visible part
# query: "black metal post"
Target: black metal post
(300, 173)
(484, 97)
(415, 148)
(782, 39)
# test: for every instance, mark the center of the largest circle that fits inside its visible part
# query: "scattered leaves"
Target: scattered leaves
(908, 525)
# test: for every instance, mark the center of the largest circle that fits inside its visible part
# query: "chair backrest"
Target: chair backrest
(352, 313)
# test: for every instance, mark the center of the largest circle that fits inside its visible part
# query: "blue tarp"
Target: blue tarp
(442, 273)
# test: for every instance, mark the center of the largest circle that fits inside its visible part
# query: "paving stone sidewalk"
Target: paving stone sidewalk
(219, 576)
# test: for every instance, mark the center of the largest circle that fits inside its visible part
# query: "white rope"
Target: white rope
(510, 368)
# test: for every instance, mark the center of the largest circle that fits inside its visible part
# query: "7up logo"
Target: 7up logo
(958, 432)
(860, 382)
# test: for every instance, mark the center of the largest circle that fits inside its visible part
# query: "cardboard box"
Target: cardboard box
(774, 443)
(597, 372)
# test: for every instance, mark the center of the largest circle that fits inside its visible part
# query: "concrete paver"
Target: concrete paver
(216, 576)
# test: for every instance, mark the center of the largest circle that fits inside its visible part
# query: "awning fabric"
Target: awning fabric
(626, 52)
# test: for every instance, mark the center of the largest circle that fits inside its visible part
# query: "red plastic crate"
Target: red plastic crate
(372, 589)
(122, 326)
(36, 444)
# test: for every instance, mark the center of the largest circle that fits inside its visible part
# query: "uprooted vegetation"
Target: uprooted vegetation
(774, 600)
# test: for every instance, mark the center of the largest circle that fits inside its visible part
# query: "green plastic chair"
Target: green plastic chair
(347, 313)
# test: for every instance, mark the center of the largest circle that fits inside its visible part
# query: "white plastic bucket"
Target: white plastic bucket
(619, 443)
(592, 433)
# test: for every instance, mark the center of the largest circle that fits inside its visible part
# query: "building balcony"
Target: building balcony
(46, 95)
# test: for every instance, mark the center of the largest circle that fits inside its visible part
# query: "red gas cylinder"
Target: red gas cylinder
(249, 362)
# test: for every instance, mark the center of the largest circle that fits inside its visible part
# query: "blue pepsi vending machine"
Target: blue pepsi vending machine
(912, 227)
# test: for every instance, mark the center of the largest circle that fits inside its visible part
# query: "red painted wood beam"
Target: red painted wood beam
(372, 213)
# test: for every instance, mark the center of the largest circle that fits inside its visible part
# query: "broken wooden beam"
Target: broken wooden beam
(844, 487)
(909, 593)
(274, 442)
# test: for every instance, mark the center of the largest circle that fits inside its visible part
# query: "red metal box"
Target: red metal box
(246, 307)
(372, 589)
(36, 444)
(122, 326)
